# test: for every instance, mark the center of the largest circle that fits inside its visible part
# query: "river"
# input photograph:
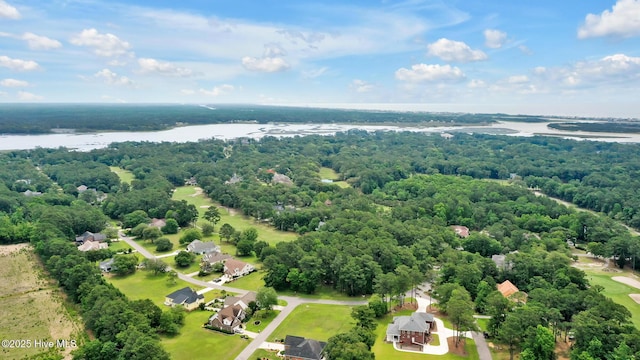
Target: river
(89, 141)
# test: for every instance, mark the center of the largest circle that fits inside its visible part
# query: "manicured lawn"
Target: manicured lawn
(328, 173)
(264, 317)
(384, 350)
(617, 291)
(264, 354)
(145, 285)
(196, 342)
(325, 292)
(252, 281)
(315, 321)
(232, 217)
(483, 324)
(116, 246)
(230, 249)
(125, 176)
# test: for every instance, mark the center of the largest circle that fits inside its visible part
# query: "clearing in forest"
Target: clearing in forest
(125, 176)
(32, 307)
(330, 174)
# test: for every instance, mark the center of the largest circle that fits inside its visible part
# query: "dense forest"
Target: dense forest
(383, 229)
(47, 118)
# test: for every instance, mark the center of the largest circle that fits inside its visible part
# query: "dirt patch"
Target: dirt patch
(635, 297)
(628, 281)
(9, 249)
(460, 351)
(563, 349)
(198, 191)
(406, 306)
(205, 206)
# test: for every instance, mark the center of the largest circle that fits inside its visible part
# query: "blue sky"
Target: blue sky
(570, 57)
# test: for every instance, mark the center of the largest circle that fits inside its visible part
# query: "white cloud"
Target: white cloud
(218, 90)
(112, 78)
(27, 96)
(424, 72)
(361, 86)
(494, 38)
(476, 84)
(518, 79)
(525, 50)
(148, 65)
(450, 50)
(37, 42)
(314, 73)
(18, 64)
(107, 45)
(265, 64)
(8, 12)
(13, 83)
(623, 20)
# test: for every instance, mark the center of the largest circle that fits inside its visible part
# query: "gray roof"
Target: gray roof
(89, 236)
(299, 347)
(185, 296)
(106, 265)
(418, 321)
(215, 257)
(198, 246)
(246, 299)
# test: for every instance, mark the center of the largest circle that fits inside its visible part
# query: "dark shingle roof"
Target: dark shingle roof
(185, 296)
(296, 346)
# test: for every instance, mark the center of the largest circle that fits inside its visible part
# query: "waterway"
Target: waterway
(89, 141)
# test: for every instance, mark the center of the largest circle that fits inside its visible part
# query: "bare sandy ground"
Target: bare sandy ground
(628, 281)
(198, 191)
(635, 297)
(8, 249)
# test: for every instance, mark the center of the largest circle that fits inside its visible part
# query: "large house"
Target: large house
(186, 297)
(511, 292)
(228, 319)
(89, 236)
(93, 246)
(234, 268)
(299, 348)
(201, 247)
(214, 257)
(411, 330)
(242, 301)
(461, 231)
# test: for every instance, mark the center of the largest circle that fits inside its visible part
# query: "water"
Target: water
(89, 141)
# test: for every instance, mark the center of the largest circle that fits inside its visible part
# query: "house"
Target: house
(234, 268)
(281, 179)
(159, 223)
(92, 246)
(228, 319)
(30, 193)
(82, 188)
(511, 292)
(234, 179)
(215, 257)
(501, 261)
(242, 301)
(299, 348)
(411, 330)
(191, 181)
(461, 231)
(89, 236)
(201, 247)
(186, 297)
(106, 266)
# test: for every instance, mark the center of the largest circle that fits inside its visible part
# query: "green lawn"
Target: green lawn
(328, 173)
(125, 176)
(384, 350)
(196, 342)
(617, 291)
(252, 281)
(483, 324)
(264, 317)
(325, 292)
(315, 321)
(264, 354)
(232, 217)
(116, 246)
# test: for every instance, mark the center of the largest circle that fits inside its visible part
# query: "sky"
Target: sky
(565, 58)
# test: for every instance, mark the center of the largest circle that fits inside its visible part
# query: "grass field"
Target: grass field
(617, 291)
(328, 173)
(196, 342)
(264, 354)
(315, 321)
(264, 317)
(483, 324)
(384, 350)
(252, 281)
(32, 306)
(230, 216)
(116, 246)
(125, 176)
(324, 292)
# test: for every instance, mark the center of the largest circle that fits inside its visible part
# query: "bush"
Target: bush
(163, 244)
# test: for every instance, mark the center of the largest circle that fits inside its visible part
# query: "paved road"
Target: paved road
(481, 344)
(292, 301)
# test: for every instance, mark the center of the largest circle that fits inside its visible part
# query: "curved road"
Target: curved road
(292, 302)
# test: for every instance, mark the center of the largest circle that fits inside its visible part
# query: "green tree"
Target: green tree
(365, 317)
(542, 345)
(172, 277)
(226, 231)
(171, 226)
(207, 229)
(266, 298)
(156, 265)
(460, 311)
(135, 218)
(251, 234)
(190, 235)
(124, 264)
(184, 259)
(163, 244)
(151, 233)
(244, 248)
(212, 215)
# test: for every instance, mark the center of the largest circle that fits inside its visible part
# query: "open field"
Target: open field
(315, 321)
(384, 350)
(125, 176)
(252, 281)
(328, 173)
(264, 354)
(240, 222)
(32, 306)
(196, 342)
(617, 291)
(324, 292)
(116, 246)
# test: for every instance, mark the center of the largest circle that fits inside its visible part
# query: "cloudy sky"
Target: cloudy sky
(569, 57)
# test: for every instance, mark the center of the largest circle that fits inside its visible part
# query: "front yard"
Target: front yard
(315, 321)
